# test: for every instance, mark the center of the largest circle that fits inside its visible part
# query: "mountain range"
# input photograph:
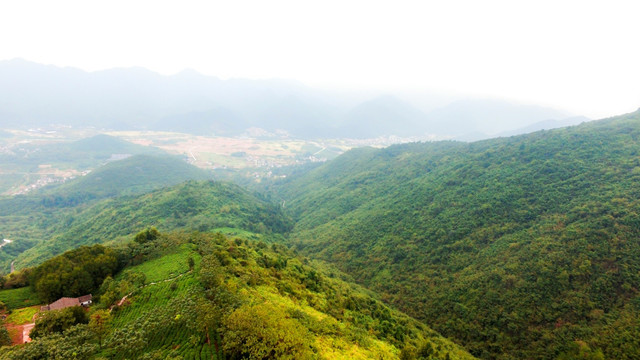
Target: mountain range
(517, 247)
(34, 95)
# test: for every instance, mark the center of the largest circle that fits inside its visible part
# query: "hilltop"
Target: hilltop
(197, 296)
(133, 175)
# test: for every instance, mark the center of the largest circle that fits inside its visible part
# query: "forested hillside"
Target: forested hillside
(31, 219)
(51, 228)
(81, 154)
(521, 247)
(25, 160)
(190, 295)
(515, 248)
(134, 175)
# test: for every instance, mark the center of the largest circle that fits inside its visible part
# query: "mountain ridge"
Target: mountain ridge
(35, 95)
(451, 232)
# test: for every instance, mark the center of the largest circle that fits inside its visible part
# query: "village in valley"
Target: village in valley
(255, 158)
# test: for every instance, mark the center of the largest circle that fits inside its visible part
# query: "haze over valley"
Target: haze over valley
(249, 125)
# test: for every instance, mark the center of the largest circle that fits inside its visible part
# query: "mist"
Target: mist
(36, 95)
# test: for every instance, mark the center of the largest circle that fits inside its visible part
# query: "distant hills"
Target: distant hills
(83, 154)
(520, 247)
(36, 218)
(383, 116)
(488, 117)
(35, 95)
(547, 125)
(23, 162)
(134, 175)
(62, 225)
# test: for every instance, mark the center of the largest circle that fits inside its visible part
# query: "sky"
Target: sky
(578, 56)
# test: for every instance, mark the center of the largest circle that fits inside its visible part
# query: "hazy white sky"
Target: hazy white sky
(582, 56)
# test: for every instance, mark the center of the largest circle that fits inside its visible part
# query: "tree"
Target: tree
(147, 235)
(56, 321)
(5, 339)
(99, 324)
(75, 273)
(73, 343)
(579, 350)
(265, 332)
(211, 272)
(127, 340)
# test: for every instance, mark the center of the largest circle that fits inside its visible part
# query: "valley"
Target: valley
(26, 166)
(518, 247)
(336, 180)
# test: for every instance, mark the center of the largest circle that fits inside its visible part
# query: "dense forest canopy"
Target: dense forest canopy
(196, 205)
(519, 245)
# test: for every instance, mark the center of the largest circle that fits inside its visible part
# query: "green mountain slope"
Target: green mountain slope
(81, 154)
(21, 163)
(205, 296)
(516, 247)
(134, 175)
(201, 206)
(32, 219)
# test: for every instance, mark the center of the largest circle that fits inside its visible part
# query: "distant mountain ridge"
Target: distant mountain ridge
(371, 119)
(35, 95)
(547, 125)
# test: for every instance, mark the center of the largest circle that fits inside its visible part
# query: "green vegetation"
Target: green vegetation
(22, 316)
(21, 164)
(201, 206)
(5, 338)
(243, 299)
(134, 175)
(515, 247)
(82, 154)
(30, 220)
(19, 298)
(168, 266)
(7, 181)
(75, 273)
(57, 321)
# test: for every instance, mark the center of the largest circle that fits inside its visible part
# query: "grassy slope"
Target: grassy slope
(518, 245)
(23, 315)
(19, 298)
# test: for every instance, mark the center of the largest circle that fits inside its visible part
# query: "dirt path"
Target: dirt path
(16, 332)
(20, 333)
(26, 330)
